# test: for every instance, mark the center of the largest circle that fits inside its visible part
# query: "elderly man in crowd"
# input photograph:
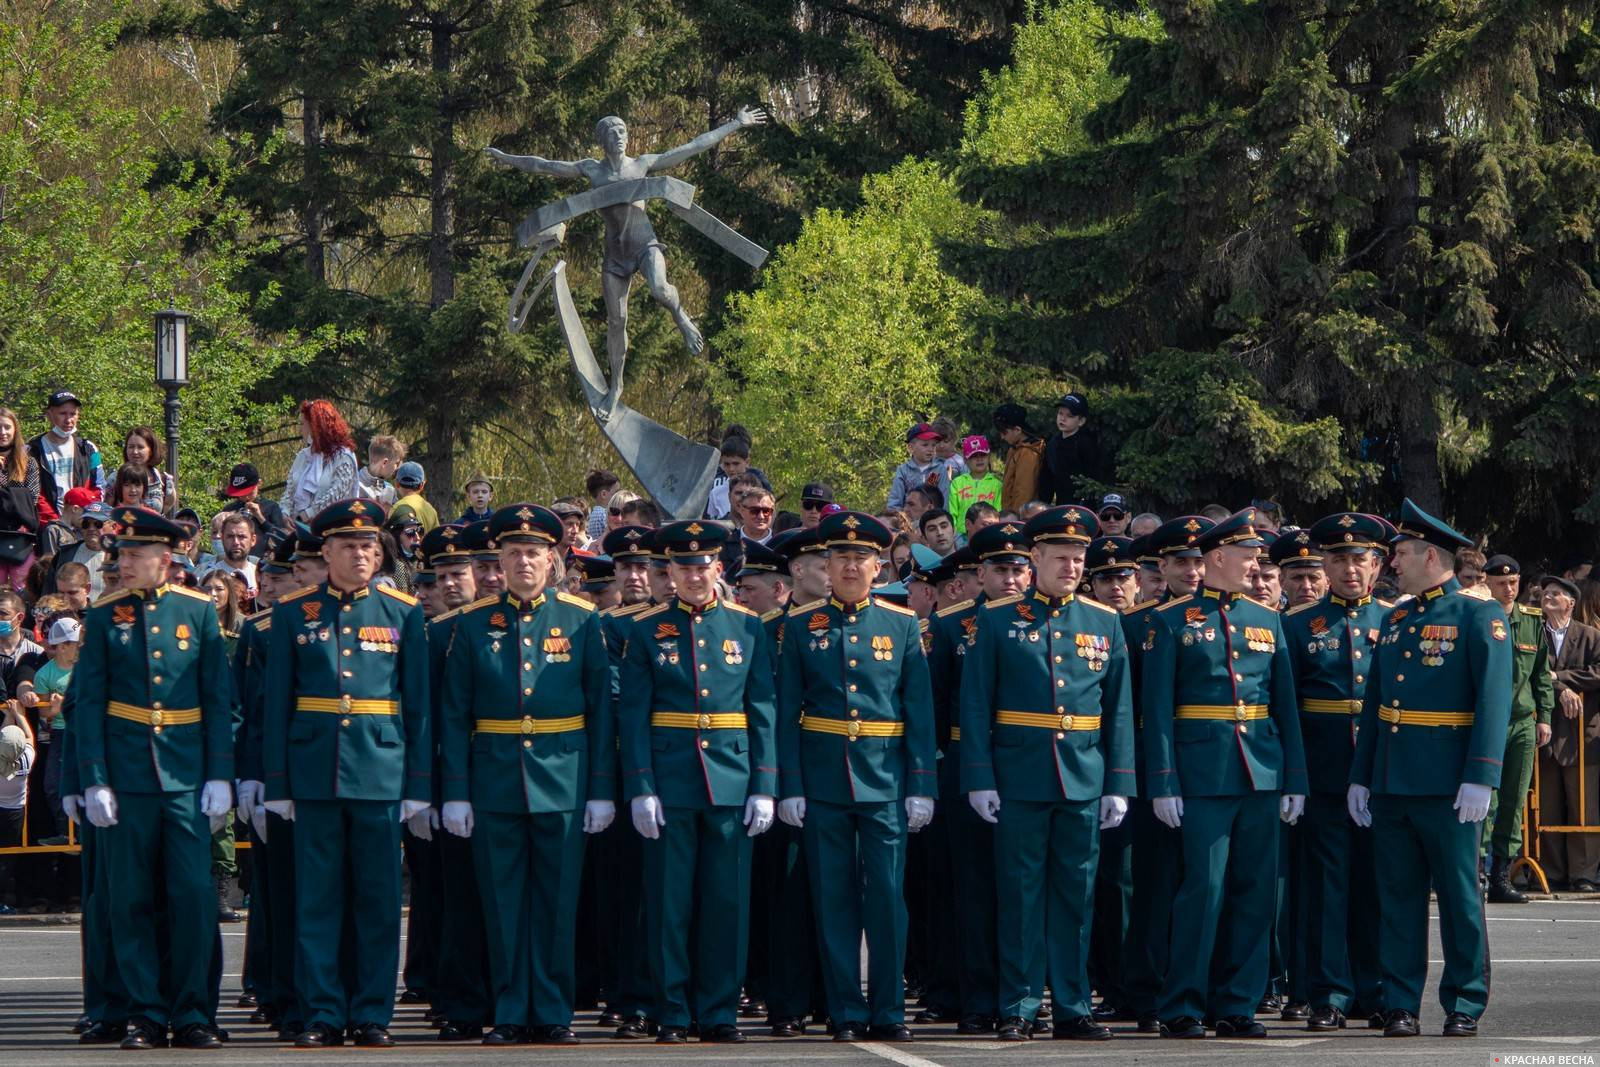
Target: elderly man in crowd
(1571, 858)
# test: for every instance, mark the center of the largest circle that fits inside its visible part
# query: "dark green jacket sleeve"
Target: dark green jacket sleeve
(1489, 658)
(1285, 711)
(1543, 683)
(635, 698)
(977, 708)
(219, 698)
(456, 697)
(90, 679)
(1116, 720)
(1157, 680)
(598, 705)
(761, 714)
(277, 705)
(916, 708)
(416, 708)
(791, 697)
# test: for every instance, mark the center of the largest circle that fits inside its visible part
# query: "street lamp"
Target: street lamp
(172, 372)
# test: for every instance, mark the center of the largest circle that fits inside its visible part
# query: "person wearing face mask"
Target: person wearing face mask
(65, 458)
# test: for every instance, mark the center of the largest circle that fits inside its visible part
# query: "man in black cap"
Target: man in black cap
(244, 494)
(813, 498)
(65, 459)
(1073, 457)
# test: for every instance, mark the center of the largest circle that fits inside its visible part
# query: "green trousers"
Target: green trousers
(791, 988)
(272, 894)
(1340, 946)
(973, 892)
(1506, 804)
(1113, 899)
(159, 850)
(697, 914)
(1045, 855)
(105, 998)
(459, 988)
(1223, 912)
(1422, 842)
(347, 868)
(1157, 866)
(856, 854)
(529, 870)
(224, 857)
(617, 854)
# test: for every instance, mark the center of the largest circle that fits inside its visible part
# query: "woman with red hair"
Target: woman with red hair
(325, 469)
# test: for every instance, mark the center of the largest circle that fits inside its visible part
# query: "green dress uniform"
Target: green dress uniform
(347, 736)
(1332, 644)
(1221, 732)
(1533, 701)
(1047, 722)
(527, 738)
(154, 721)
(855, 740)
(695, 717)
(1434, 718)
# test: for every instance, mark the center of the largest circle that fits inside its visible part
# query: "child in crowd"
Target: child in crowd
(979, 483)
(734, 462)
(385, 453)
(922, 470)
(62, 641)
(480, 496)
(600, 485)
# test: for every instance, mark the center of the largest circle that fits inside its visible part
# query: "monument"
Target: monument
(675, 471)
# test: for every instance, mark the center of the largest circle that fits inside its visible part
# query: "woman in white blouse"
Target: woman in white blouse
(325, 470)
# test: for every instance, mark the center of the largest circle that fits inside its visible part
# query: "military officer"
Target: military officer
(699, 766)
(1332, 643)
(487, 577)
(348, 754)
(1533, 701)
(1300, 571)
(1113, 572)
(856, 756)
(528, 766)
(763, 582)
(1266, 583)
(1151, 584)
(153, 725)
(1223, 762)
(1047, 756)
(1428, 756)
(660, 575)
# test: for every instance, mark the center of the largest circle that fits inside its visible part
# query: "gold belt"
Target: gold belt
(528, 725)
(683, 720)
(347, 706)
(156, 717)
(1221, 712)
(1047, 722)
(955, 733)
(1404, 717)
(1331, 707)
(852, 728)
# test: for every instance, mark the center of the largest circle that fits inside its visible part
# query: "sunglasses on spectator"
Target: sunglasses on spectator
(1113, 514)
(814, 505)
(756, 509)
(614, 511)
(92, 522)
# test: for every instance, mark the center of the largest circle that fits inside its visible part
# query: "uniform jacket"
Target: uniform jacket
(1219, 650)
(1445, 651)
(527, 662)
(1578, 668)
(1332, 644)
(250, 676)
(711, 660)
(340, 649)
(854, 662)
(1533, 693)
(157, 654)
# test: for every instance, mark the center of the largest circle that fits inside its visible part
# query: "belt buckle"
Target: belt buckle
(703, 722)
(854, 729)
(1240, 714)
(527, 724)
(1066, 722)
(344, 703)
(155, 718)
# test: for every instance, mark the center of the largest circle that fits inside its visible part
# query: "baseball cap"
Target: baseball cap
(13, 743)
(410, 474)
(922, 432)
(1074, 403)
(62, 396)
(63, 630)
(817, 491)
(971, 446)
(1112, 500)
(243, 478)
(81, 496)
(97, 512)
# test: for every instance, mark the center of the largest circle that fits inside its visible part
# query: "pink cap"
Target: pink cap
(971, 446)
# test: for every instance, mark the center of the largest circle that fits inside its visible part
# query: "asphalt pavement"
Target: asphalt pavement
(1544, 1010)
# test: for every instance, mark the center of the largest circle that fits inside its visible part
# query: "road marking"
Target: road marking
(895, 1055)
(1519, 919)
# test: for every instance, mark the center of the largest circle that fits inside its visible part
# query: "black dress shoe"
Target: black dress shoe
(632, 1028)
(672, 1035)
(413, 996)
(261, 1017)
(892, 1032)
(196, 1035)
(1081, 1028)
(290, 1031)
(723, 1034)
(609, 1018)
(1325, 1018)
(1377, 1021)
(371, 1035)
(103, 1034)
(1459, 1024)
(504, 1035)
(752, 1008)
(1400, 1024)
(83, 1024)
(247, 1000)
(460, 1032)
(1295, 1011)
(1014, 1028)
(936, 1015)
(1270, 1004)
(552, 1035)
(1185, 1026)
(144, 1034)
(1044, 1014)
(1240, 1026)
(850, 1032)
(975, 1024)
(1150, 1024)
(787, 1028)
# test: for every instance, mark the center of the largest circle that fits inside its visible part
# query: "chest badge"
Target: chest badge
(1095, 648)
(377, 638)
(1025, 611)
(498, 621)
(732, 652)
(182, 633)
(1259, 639)
(883, 648)
(1497, 630)
(557, 649)
(665, 630)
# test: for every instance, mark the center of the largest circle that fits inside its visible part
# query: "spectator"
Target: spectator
(89, 550)
(813, 498)
(1469, 568)
(947, 450)
(919, 500)
(1576, 567)
(938, 531)
(1269, 517)
(641, 512)
(325, 469)
(218, 584)
(16, 763)
(412, 480)
(1072, 458)
(480, 495)
(1030, 509)
(236, 535)
(787, 520)
(1572, 858)
(600, 485)
(1024, 457)
(406, 531)
(614, 509)
(736, 445)
(981, 514)
(19, 656)
(385, 453)
(1215, 512)
(895, 519)
(244, 495)
(19, 503)
(63, 635)
(753, 512)
(64, 458)
(1113, 515)
(1144, 524)
(977, 483)
(574, 520)
(142, 454)
(72, 583)
(63, 532)
(127, 489)
(922, 469)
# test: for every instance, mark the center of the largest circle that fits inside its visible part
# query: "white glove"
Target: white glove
(216, 797)
(421, 824)
(1290, 807)
(408, 808)
(1355, 799)
(73, 806)
(458, 817)
(793, 811)
(100, 804)
(648, 818)
(986, 802)
(249, 794)
(1472, 802)
(919, 812)
(283, 809)
(1169, 810)
(597, 815)
(758, 813)
(258, 823)
(1112, 811)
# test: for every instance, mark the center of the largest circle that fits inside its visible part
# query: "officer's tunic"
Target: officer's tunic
(695, 717)
(1533, 700)
(348, 735)
(855, 738)
(1222, 731)
(1047, 721)
(154, 721)
(1434, 717)
(528, 739)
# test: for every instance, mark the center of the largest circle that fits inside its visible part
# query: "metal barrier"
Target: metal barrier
(1533, 828)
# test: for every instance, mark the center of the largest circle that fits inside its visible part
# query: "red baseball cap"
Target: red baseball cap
(922, 432)
(81, 496)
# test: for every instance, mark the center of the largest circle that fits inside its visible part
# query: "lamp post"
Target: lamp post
(172, 372)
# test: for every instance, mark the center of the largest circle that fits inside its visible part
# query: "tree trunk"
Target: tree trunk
(311, 209)
(441, 461)
(441, 241)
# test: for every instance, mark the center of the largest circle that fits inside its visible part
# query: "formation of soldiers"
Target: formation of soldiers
(1177, 800)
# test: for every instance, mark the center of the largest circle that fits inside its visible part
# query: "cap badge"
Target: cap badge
(1072, 516)
(358, 508)
(127, 516)
(1010, 530)
(524, 513)
(694, 529)
(1193, 525)
(1347, 521)
(851, 522)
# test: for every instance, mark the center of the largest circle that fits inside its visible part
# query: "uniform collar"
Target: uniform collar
(358, 594)
(1449, 585)
(842, 606)
(522, 605)
(1053, 602)
(1221, 596)
(151, 595)
(697, 609)
(1357, 603)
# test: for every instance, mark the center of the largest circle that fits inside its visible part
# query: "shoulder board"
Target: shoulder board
(953, 608)
(575, 601)
(1175, 602)
(260, 617)
(625, 610)
(652, 611)
(739, 609)
(1093, 603)
(801, 609)
(1298, 608)
(775, 613)
(481, 602)
(192, 594)
(1004, 601)
(297, 594)
(896, 608)
(447, 615)
(234, 634)
(1151, 603)
(1476, 594)
(1386, 605)
(1261, 604)
(1526, 610)
(395, 594)
(109, 597)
